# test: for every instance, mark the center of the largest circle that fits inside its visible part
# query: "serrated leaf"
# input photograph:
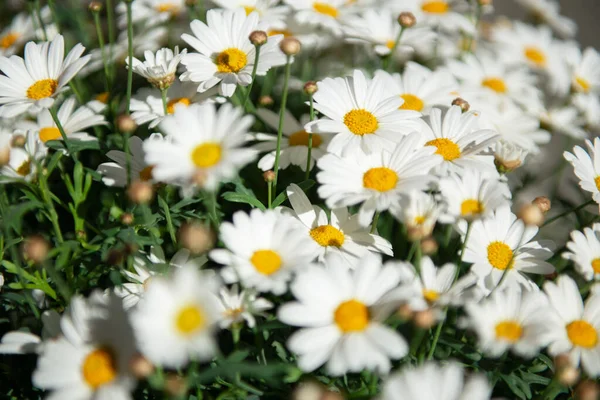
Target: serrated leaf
(307, 184)
(243, 198)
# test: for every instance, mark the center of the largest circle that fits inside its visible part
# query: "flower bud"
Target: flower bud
(462, 103)
(429, 246)
(265, 101)
(126, 124)
(290, 46)
(587, 390)
(140, 366)
(310, 88)
(196, 237)
(425, 319)
(140, 192)
(175, 385)
(405, 312)
(269, 176)
(36, 249)
(407, 19)
(95, 6)
(531, 215)
(127, 219)
(191, 3)
(486, 2)
(543, 203)
(18, 141)
(258, 38)
(564, 370)
(4, 156)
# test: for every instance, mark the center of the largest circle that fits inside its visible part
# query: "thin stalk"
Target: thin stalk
(127, 157)
(169, 222)
(110, 15)
(375, 221)
(163, 93)
(270, 192)
(38, 14)
(288, 68)
(254, 68)
(100, 35)
(310, 138)
(46, 196)
(63, 288)
(572, 210)
(61, 130)
(387, 61)
(129, 54)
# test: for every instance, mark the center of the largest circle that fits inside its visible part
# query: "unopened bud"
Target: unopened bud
(258, 38)
(418, 232)
(505, 166)
(127, 219)
(562, 361)
(18, 141)
(462, 103)
(269, 176)
(429, 246)
(95, 6)
(308, 390)
(140, 192)
(407, 19)
(543, 203)
(331, 395)
(290, 46)
(4, 156)
(140, 366)
(587, 390)
(199, 177)
(175, 385)
(126, 124)
(486, 2)
(36, 249)
(531, 215)
(424, 319)
(265, 101)
(162, 83)
(310, 88)
(564, 370)
(405, 312)
(191, 3)
(196, 237)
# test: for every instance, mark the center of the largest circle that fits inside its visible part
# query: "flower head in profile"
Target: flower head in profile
(419, 212)
(584, 251)
(159, 69)
(587, 167)
(24, 161)
(115, 173)
(236, 307)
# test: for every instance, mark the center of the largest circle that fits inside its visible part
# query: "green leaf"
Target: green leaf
(15, 214)
(74, 145)
(307, 184)
(515, 386)
(243, 198)
(535, 379)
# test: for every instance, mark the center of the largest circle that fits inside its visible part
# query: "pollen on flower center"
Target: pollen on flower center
(181, 100)
(420, 220)
(581, 333)
(190, 319)
(327, 235)
(411, 102)
(445, 148)
(471, 207)
(249, 9)
(496, 84)
(206, 155)
(390, 44)
(300, 138)
(267, 262)
(284, 32)
(435, 7)
(381, 179)
(597, 182)
(510, 331)
(99, 368)
(102, 97)
(361, 122)
(146, 173)
(167, 7)
(431, 295)
(596, 265)
(352, 316)
(8, 40)
(49, 133)
(500, 255)
(231, 60)
(535, 55)
(24, 169)
(42, 89)
(583, 84)
(325, 9)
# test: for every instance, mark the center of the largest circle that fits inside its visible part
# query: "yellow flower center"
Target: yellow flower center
(146, 173)
(103, 97)
(361, 122)
(206, 155)
(172, 103)
(500, 255)
(471, 207)
(411, 102)
(49, 133)
(596, 265)
(597, 182)
(445, 148)
(381, 179)
(511, 331)
(284, 32)
(267, 262)
(190, 319)
(249, 9)
(420, 220)
(535, 55)
(431, 295)
(99, 368)
(390, 44)
(435, 7)
(167, 7)
(8, 40)
(325, 9)
(300, 138)
(496, 84)
(581, 333)
(583, 84)
(327, 235)
(42, 89)
(24, 169)
(231, 60)
(352, 316)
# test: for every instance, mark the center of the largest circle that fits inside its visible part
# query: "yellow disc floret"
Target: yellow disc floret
(99, 368)
(381, 179)
(583, 334)
(206, 155)
(471, 207)
(535, 55)
(496, 84)
(325, 9)
(267, 262)
(42, 89)
(181, 100)
(327, 235)
(445, 148)
(435, 7)
(231, 60)
(352, 316)
(49, 133)
(411, 102)
(361, 122)
(190, 319)
(300, 138)
(510, 331)
(500, 255)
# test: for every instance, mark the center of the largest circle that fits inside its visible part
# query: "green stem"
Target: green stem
(163, 93)
(129, 54)
(254, 68)
(46, 196)
(100, 35)
(127, 157)
(375, 221)
(572, 210)
(270, 193)
(54, 115)
(62, 286)
(310, 138)
(387, 61)
(288, 68)
(436, 338)
(169, 222)
(110, 15)
(38, 14)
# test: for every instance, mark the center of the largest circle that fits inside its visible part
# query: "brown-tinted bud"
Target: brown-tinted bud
(199, 177)
(504, 166)
(565, 372)
(531, 215)
(462, 103)
(424, 319)
(588, 390)
(140, 192)
(258, 38)
(405, 312)
(265, 101)
(115, 257)
(126, 124)
(290, 46)
(191, 3)
(543, 203)
(127, 219)
(561, 361)
(309, 390)
(4, 156)
(196, 237)
(486, 2)
(429, 246)
(407, 19)
(175, 385)
(269, 176)
(18, 141)
(95, 6)
(36, 249)
(331, 395)
(418, 232)
(311, 88)
(140, 366)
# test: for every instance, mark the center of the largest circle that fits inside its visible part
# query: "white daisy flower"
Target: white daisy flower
(91, 360)
(510, 319)
(456, 138)
(508, 156)
(263, 249)
(235, 307)
(435, 381)
(376, 180)
(502, 244)
(338, 325)
(225, 54)
(203, 145)
(585, 252)
(150, 12)
(588, 104)
(340, 232)
(159, 69)
(23, 161)
(34, 81)
(294, 146)
(548, 12)
(73, 120)
(587, 167)
(175, 321)
(471, 196)
(325, 13)
(444, 14)
(22, 29)
(360, 116)
(270, 12)
(419, 212)
(420, 87)
(575, 326)
(115, 173)
(586, 70)
(564, 120)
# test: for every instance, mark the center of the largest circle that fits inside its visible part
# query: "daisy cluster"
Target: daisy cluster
(393, 199)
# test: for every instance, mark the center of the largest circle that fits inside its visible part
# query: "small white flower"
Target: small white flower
(444, 14)
(587, 167)
(586, 70)
(418, 211)
(151, 12)
(22, 342)
(564, 120)
(236, 307)
(585, 252)
(22, 29)
(508, 156)
(115, 173)
(549, 12)
(160, 68)
(23, 162)
(324, 13)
